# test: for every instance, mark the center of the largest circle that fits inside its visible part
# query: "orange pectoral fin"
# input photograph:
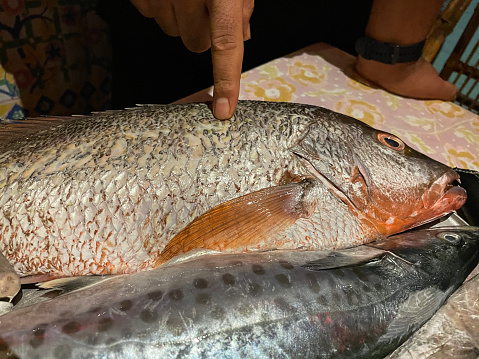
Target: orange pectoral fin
(242, 223)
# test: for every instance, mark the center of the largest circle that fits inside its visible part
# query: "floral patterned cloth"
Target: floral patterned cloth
(323, 75)
(54, 58)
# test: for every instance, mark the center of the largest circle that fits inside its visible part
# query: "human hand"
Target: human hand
(222, 25)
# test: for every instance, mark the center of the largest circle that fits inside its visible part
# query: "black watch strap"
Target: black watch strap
(387, 53)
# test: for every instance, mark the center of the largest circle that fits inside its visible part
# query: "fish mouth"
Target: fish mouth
(443, 196)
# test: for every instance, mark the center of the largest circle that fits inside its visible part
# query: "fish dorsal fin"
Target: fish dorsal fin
(71, 284)
(246, 221)
(15, 130)
(347, 258)
(414, 312)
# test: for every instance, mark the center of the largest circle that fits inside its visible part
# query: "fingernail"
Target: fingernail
(222, 108)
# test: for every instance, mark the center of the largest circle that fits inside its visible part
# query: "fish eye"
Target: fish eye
(391, 141)
(450, 237)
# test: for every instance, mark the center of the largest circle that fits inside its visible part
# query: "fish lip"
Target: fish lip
(443, 194)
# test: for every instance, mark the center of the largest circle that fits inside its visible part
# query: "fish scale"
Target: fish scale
(124, 189)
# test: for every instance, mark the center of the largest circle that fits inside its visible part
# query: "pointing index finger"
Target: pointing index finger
(227, 54)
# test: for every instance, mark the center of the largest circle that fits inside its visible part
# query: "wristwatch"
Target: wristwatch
(387, 53)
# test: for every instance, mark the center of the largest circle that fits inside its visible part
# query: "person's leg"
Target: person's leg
(404, 22)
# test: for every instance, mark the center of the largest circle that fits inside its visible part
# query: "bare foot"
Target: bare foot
(411, 79)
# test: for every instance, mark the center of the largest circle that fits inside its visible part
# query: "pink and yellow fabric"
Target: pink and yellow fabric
(54, 58)
(323, 75)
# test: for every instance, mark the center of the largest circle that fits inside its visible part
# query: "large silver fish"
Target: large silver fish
(125, 191)
(360, 302)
